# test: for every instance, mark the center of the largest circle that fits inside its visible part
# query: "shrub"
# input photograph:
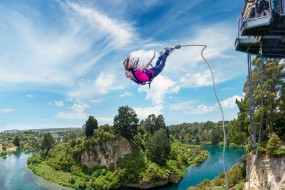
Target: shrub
(221, 143)
(233, 145)
(280, 151)
(272, 145)
(72, 180)
(261, 150)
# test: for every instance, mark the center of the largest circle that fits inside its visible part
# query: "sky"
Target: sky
(61, 60)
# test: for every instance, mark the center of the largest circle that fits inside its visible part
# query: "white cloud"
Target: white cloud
(103, 84)
(191, 107)
(196, 79)
(77, 112)
(71, 115)
(145, 112)
(120, 32)
(203, 109)
(79, 107)
(126, 94)
(181, 106)
(6, 110)
(105, 120)
(43, 54)
(30, 96)
(59, 103)
(187, 66)
(230, 102)
(160, 86)
(95, 101)
(61, 53)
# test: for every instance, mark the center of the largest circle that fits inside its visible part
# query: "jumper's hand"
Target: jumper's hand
(149, 62)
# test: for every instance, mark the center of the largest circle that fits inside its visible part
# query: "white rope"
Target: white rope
(214, 88)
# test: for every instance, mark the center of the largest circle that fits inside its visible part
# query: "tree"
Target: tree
(272, 93)
(149, 124)
(158, 147)
(272, 145)
(153, 123)
(217, 135)
(126, 122)
(90, 125)
(48, 141)
(159, 122)
(16, 141)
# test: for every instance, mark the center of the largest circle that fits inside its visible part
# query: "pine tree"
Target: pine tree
(90, 125)
(126, 122)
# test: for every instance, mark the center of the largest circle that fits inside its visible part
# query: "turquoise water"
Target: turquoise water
(14, 174)
(209, 169)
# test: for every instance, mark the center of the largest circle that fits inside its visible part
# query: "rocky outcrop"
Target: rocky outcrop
(267, 173)
(172, 178)
(106, 153)
(148, 185)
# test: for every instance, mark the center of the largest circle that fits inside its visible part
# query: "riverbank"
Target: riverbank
(14, 167)
(210, 168)
(66, 167)
(7, 151)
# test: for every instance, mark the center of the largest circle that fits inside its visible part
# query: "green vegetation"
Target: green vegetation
(90, 125)
(274, 147)
(273, 96)
(60, 165)
(48, 141)
(273, 126)
(126, 122)
(157, 153)
(236, 178)
(158, 147)
(155, 157)
(17, 141)
(238, 130)
(31, 140)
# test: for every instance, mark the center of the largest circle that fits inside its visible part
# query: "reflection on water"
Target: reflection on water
(14, 174)
(209, 169)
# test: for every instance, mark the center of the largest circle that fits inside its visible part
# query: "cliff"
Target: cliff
(267, 173)
(106, 153)
(152, 183)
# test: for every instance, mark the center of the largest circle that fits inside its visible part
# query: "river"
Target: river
(14, 174)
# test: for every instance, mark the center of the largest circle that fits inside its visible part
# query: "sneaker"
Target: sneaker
(168, 49)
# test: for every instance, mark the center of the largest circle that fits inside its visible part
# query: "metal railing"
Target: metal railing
(249, 10)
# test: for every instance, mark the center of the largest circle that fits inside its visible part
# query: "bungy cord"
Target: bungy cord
(214, 88)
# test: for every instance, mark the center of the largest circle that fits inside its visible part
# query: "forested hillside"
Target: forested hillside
(127, 154)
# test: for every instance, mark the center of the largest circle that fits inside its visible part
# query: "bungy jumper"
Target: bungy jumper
(168, 51)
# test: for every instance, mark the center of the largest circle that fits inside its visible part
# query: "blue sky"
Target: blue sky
(61, 60)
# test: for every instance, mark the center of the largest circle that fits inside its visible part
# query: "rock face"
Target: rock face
(148, 185)
(172, 178)
(267, 173)
(106, 153)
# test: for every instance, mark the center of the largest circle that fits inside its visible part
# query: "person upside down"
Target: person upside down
(142, 75)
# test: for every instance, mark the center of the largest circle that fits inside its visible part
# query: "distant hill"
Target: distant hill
(40, 130)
